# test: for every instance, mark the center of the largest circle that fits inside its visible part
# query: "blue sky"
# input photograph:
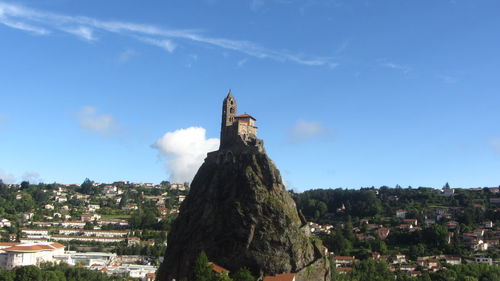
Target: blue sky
(346, 93)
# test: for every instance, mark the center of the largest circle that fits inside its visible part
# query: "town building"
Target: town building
(28, 254)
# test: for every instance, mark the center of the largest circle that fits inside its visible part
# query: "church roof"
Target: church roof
(244, 116)
(217, 268)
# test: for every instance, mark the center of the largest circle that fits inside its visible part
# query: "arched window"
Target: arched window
(231, 110)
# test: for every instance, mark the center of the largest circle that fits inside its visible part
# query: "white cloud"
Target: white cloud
(104, 124)
(32, 177)
(82, 32)
(303, 131)
(165, 44)
(185, 150)
(24, 27)
(7, 178)
(40, 22)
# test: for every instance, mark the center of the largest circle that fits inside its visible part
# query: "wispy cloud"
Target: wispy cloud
(165, 44)
(91, 120)
(82, 32)
(400, 67)
(303, 131)
(44, 23)
(24, 26)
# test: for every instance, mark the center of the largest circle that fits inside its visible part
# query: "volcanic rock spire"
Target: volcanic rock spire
(239, 212)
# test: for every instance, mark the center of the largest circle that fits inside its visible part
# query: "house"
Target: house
(150, 277)
(383, 232)
(177, 186)
(130, 207)
(427, 262)
(451, 225)
(90, 218)
(401, 214)
(73, 224)
(495, 201)
(49, 207)
(344, 270)
(35, 233)
(87, 238)
(343, 261)
(447, 192)
(407, 267)
(93, 207)
(405, 226)
(12, 237)
(415, 273)
(453, 260)
(118, 222)
(5, 223)
(61, 199)
(133, 241)
(443, 216)
(42, 224)
(413, 222)
(487, 224)
(485, 260)
(280, 277)
(399, 259)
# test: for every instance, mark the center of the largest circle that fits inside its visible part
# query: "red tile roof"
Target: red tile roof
(218, 268)
(33, 247)
(244, 116)
(10, 244)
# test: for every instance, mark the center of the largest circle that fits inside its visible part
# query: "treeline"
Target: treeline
(330, 205)
(56, 273)
(378, 271)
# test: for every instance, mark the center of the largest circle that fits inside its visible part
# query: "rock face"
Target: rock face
(239, 212)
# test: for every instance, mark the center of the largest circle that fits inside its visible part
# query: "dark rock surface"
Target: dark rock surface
(239, 212)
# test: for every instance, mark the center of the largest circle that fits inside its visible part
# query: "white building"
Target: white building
(73, 224)
(5, 223)
(35, 233)
(29, 254)
(49, 207)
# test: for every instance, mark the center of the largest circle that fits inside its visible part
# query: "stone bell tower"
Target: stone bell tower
(229, 108)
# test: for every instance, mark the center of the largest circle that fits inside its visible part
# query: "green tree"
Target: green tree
(28, 273)
(202, 271)
(243, 274)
